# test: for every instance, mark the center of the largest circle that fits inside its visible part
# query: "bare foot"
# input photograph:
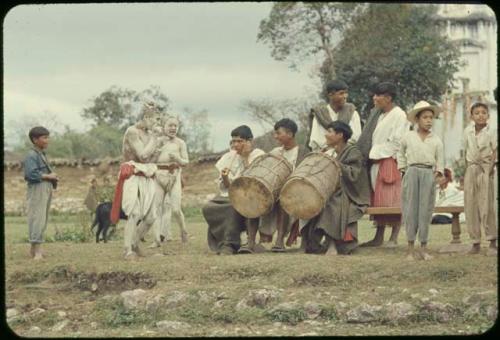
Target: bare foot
(391, 244)
(139, 252)
(474, 250)
(410, 257)
(130, 256)
(332, 250)
(426, 256)
(226, 251)
(154, 245)
(259, 248)
(492, 251)
(372, 243)
(184, 237)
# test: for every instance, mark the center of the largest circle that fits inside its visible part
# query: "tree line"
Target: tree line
(360, 43)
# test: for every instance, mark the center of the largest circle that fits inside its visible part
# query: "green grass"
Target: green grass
(373, 276)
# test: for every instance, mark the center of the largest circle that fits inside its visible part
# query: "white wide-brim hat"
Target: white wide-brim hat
(421, 106)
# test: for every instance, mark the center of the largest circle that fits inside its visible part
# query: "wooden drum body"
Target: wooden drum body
(307, 190)
(253, 193)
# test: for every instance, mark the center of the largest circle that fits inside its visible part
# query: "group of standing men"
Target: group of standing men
(372, 164)
(149, 187)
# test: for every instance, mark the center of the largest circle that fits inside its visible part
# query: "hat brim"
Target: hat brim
(413, 113)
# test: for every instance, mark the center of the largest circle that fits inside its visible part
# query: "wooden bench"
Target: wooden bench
(455, 223)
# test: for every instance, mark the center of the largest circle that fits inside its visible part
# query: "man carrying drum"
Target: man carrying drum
(284, 133)
(225, 224)
(338, 220)
(337, 108)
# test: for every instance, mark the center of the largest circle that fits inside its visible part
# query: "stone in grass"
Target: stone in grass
(175, 299)
(35, 329)
(365, 313)
(60, 325)
(478, 298)
(312, 309)
(37, 311)
(61, 314)
(133, 299)
(12, 312)
(262, 297)
(168, 326)
(400, 311)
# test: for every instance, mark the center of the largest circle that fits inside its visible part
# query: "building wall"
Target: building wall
(474, 27)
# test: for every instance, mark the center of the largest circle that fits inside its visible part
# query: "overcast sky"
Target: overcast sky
(204, 56)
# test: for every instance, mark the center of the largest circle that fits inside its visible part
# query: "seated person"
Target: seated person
(337, 222)
(225, 224)
(447, 195)
(284, 133)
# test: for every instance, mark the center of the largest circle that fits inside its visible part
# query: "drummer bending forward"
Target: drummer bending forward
(338, 220)
(224, 223)
(284, 133)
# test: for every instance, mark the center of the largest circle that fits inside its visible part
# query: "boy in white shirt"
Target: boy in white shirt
(421, 162)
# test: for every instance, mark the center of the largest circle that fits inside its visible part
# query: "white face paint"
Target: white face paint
(171, 127)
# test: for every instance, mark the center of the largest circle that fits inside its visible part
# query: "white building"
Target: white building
(474, 28)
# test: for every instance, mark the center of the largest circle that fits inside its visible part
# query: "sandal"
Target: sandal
(277, 249)
(245, 250)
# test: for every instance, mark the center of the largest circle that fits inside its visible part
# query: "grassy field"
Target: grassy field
(63, 282)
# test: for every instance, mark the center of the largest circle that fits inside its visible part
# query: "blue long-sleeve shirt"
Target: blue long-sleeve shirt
(34, 167)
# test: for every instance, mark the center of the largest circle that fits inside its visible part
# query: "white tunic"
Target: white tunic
(414, 150)
(318, 140)
(290, 155)
(386, 137)
(236, 165)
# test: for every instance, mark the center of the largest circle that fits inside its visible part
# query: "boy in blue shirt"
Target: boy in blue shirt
(41, 180)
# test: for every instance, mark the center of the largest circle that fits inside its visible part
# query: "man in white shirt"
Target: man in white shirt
(382, 134)
(337, 108)
(225, 224)
(284, 133)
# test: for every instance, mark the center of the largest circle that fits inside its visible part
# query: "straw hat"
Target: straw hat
(421, 106)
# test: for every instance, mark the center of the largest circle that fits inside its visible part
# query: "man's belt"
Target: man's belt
(170, 167)
(422, 166)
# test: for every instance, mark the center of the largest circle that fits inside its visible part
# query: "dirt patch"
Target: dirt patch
(96, 282)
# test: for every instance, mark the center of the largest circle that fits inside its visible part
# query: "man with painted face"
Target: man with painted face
(337, 108)
(173, 155)
(137, 190)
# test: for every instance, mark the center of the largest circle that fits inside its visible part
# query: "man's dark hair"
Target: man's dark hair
(386, 88)
(335, 85)
(479, 104)
(243, 132)
(288, 124)
(38, 131)
(339, 126)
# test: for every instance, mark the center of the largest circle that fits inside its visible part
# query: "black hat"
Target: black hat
(335, 85)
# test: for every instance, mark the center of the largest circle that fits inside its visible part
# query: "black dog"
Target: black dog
(103, 220)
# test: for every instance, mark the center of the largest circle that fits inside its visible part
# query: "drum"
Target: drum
(253, 193)
(307, 190)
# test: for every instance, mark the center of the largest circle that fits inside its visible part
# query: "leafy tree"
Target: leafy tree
(398, 43)
(119, 107)
(296, 31)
